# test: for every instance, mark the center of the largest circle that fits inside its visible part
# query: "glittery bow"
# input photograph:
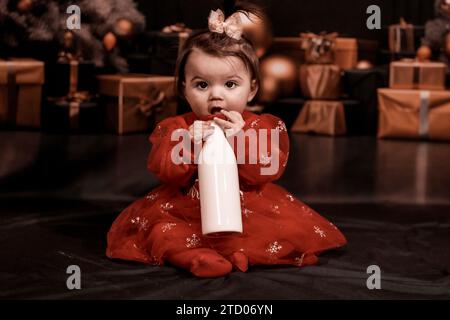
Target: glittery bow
(231, 26)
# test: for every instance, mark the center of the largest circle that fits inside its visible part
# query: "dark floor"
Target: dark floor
(59, 195)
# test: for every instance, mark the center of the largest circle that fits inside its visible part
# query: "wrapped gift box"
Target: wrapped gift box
(166, 45)
(73, 114)
(346, 53)
(417, 75)
(21, 83)
(65, 77)
(414, 114)
(320, 81)
(136, 102)
(401, 37)
(323, 117)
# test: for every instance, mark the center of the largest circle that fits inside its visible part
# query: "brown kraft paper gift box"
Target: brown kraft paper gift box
(414, 114)
(136, 102)
(417, 75)
(401, 37)
(346, 53)
(320, 81)
(323, 117)
(21, 83)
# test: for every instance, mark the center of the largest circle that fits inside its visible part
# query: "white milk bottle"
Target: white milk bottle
(219, 186)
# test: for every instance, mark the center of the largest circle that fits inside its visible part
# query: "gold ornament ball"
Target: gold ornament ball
(364, 64)
(423, 53)
(123, 28)
(24, 5)
(257, 30)
(445, 7)
(109, 41)
(279, 78)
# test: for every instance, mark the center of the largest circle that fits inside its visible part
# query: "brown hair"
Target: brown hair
(218, 45)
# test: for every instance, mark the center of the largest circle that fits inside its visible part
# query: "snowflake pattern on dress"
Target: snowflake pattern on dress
(265, 159)
(281, 126)
(141, 223)
(247, 212)
(167, 226)
(254, 123)
(161, 131)
(166, 206)
(275, 208)
(155, 261)
(307, 211)
(274, 248)
(152, 196)
(290, 197)
(194, 193)
(193, 241)
(319, 232)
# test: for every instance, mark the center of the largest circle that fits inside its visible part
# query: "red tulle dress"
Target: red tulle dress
(165, 226)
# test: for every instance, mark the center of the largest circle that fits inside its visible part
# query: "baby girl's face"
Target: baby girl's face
(213, 83)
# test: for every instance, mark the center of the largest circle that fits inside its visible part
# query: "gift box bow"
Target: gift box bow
(318, 44)
(152, 103)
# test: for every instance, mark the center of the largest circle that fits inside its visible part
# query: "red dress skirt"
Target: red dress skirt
(277, 227)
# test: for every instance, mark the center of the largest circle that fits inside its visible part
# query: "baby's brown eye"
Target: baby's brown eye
(230, 84)
(202, 84)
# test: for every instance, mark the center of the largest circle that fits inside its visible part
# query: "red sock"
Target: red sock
(202, 262)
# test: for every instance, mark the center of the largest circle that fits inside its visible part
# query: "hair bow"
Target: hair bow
(231, 26)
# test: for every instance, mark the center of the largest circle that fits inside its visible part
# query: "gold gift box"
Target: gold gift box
(346, 53)
(136, 102)
(320, 81)
(21, 83)
(414, 114)
(417, 75)
(322, 117)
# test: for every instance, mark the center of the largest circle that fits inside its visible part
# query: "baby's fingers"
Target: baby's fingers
(223, 123)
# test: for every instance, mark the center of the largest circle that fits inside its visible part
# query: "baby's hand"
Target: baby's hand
(200, 130)
(234, 125)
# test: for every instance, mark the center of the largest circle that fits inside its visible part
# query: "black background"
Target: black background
(289, 17)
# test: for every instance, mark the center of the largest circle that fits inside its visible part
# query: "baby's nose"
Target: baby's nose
(216, 93)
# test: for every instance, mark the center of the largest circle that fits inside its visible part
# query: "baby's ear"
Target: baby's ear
(253, 90)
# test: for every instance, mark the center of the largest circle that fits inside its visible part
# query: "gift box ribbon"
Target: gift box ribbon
(73, 76)
(423, 113)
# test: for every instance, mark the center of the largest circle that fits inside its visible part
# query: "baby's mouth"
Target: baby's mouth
(216, 110)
